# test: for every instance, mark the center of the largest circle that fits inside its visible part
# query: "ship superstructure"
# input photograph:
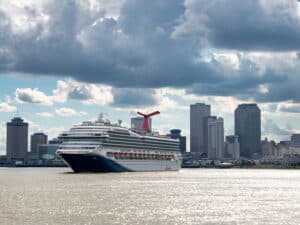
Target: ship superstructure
(101, 146)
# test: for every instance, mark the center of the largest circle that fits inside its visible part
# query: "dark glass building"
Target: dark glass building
(198, 129)
(17, 140)
(36, 140)
(247, 121)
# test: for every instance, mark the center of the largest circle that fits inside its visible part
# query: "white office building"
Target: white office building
(215, 138)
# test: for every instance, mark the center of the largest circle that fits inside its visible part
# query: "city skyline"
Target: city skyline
(194, 111)
(150, 111)
(62, 63)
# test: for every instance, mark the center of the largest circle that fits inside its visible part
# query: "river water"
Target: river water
(190, 196)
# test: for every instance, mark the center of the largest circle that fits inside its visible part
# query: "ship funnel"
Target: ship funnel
(145, 125)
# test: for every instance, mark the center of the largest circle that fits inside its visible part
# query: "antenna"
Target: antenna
(17, 113)
(145, 124)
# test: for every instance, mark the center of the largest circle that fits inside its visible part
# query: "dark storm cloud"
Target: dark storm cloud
(135, 51)
(244, 25)
(133, 97)
(156, 44)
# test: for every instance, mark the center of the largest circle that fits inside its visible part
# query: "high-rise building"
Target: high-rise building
(176, 134)
(198, 130)
(36, 140)
(136, 123)
(248, 128)
(17, 140)
(295, 140)
(215, 137)
(232, 147)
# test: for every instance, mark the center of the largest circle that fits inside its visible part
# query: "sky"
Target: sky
(63, 62)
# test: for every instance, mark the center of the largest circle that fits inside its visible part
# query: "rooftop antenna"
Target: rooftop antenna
(145, 125)
(17, 113)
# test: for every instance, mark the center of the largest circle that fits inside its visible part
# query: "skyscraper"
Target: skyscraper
(215, 137)
(17, 140)
(198, 130)
(36, 140)
(247, 123)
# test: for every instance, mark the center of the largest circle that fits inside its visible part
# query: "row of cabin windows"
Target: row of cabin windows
(141, 146)
(133, 136)
(144, 140)
(75, 147)
(140, 156)
(150, 141)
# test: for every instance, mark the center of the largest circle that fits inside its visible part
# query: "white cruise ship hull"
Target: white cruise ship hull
(97, 161)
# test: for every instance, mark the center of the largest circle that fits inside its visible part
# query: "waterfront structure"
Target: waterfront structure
(291, 157)
(47, 155)
(294, 147)
(101, 146)
(37, 139)
(176, 134)
(198, 131)
(282, 148)
(215, 137)
(268, 148)
(3, 160)
(232, 147)
(136, 123)
(247, 118)
(17, 141)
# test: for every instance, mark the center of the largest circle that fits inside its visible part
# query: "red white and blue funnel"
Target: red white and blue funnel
(145, 125)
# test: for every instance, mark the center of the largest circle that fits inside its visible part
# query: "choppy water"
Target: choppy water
(190, 196)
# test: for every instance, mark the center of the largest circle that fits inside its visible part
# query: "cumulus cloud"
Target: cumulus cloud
(85, 92)
(66, 112)
(44, 114)
(154, 44)
(272, 130)
(6, 107)
(29, 95)
(67, 90)
(290, 108)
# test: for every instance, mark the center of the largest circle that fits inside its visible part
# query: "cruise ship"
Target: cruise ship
(101, 146)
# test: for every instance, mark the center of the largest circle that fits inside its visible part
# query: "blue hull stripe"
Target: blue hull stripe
(92, 163)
